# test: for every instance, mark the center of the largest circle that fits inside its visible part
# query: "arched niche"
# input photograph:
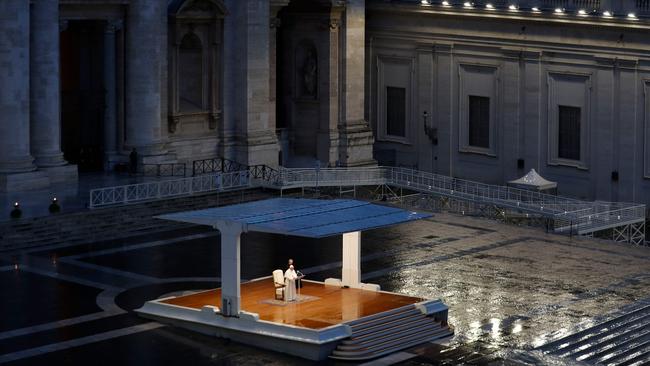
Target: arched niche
(306, 69)
(191, 81)
(195, 65)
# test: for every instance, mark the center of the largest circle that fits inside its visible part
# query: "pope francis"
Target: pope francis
(290, 277)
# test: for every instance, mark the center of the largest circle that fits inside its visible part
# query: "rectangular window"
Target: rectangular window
(479, 121)
(396, 111)
(569, 133)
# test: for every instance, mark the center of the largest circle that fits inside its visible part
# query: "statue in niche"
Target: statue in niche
(309, 74)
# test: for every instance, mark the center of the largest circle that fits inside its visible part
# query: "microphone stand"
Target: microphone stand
(299, 284)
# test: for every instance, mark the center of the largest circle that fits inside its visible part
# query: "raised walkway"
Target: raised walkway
(565, 215)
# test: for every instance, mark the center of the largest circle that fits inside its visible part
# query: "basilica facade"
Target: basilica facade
(477, 90)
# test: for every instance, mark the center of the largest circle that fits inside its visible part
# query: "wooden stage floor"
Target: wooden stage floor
(328, 305)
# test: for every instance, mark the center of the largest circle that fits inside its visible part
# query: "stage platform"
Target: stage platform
(313, 327)
(319, 306)
(342, 318)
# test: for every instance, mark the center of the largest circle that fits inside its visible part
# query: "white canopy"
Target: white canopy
(532, 180)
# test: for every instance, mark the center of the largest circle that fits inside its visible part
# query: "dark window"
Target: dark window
(479, 121)
(190, 67)
(396, 111)
(569, 133)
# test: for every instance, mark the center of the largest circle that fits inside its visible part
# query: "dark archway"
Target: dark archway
(82, 94)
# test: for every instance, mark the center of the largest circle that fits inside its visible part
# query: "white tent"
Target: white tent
(533, 181)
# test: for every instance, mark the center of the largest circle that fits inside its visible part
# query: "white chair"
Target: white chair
(278, 281)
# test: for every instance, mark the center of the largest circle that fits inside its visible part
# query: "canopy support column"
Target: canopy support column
(351, 270)
(230, 267)
(351, 273)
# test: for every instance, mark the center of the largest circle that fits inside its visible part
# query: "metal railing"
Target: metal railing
(568, 215)
(141, 192)
(261, 172)
(295, 178)
(164, 170)
(216, 165)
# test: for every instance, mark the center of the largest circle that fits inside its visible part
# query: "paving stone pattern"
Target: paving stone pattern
(510, 289)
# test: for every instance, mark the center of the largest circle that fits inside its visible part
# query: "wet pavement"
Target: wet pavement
(509, 290)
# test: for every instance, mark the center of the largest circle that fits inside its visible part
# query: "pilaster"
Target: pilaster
(328, 134)
(110, 84)
(356, 136)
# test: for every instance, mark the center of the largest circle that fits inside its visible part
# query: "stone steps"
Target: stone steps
(389, 332)
(109, 223)
(623, 340)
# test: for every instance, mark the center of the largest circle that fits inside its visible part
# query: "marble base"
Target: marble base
(261, 148)
(355, 146)
(263, 154)
(14, 182)
(62, 174)
(157, 159)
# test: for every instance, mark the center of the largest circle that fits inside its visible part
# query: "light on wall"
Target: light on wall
(631, 16)
(535, 9)
(513, 7)
(559, 11)
(608, 14)
(582, 12)
(424, 2)
(489, 6)
(468, 4)
(445, 3)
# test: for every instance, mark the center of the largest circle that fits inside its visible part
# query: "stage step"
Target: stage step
(389, 332)
(623, 340)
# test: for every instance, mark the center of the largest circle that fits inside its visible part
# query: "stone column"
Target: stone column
(110, 85)
(45, 96)
(14, 94)
(356, 138)
(143, 86)
(351, 267)
(16, 163)
(246, 81)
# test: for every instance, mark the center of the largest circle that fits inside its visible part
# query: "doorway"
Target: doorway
(82, 94)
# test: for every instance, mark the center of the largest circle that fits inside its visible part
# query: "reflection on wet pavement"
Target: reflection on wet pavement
(526, 292)
(509, 289)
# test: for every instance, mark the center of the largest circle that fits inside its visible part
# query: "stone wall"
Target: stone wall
(527, 69)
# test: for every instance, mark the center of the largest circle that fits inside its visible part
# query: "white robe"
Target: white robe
(290, 277)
